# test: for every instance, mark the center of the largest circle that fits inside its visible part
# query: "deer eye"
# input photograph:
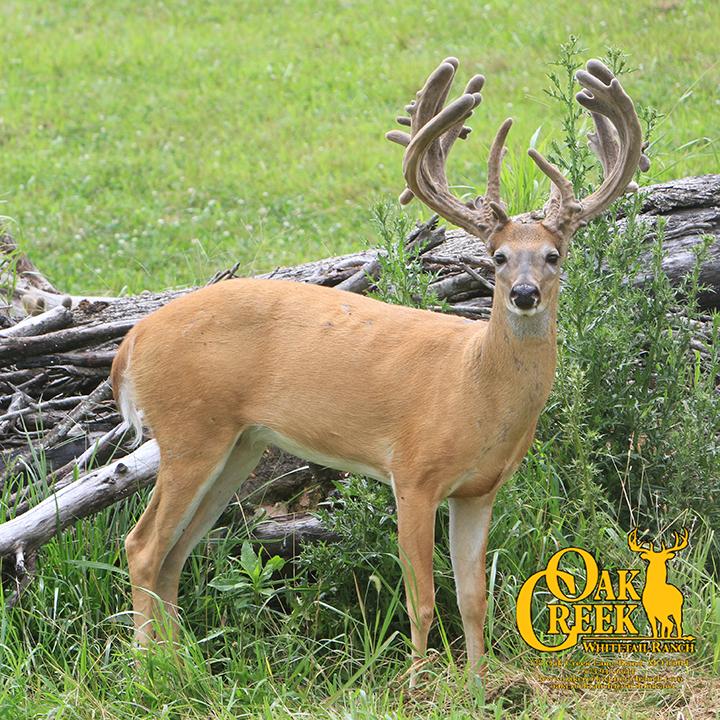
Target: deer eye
(552, 258)
(499, 258)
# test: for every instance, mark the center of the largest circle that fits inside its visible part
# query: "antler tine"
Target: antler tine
(605, 144)
(617, 141)
(430, 99)
(433, 131)
(681, 541)
(497, 153)
(562, 205)
(490, 204)
(427, 103)
(474, 86)
(633, 543)
(618, 138)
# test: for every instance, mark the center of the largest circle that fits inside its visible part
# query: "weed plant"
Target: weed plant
(402, 279)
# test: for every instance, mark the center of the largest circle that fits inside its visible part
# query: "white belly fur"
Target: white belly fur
(287, 444)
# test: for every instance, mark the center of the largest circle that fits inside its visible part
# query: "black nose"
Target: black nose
(525, 296)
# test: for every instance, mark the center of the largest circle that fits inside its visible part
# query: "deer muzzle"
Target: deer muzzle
(525, 296)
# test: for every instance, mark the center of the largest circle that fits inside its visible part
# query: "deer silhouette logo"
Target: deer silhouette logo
(661, 600)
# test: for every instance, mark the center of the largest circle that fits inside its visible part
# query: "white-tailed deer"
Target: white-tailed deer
(661, 600)
(437, 406)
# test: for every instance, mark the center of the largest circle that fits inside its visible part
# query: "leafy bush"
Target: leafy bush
(402, 279)
(633, 418)
(634, 408)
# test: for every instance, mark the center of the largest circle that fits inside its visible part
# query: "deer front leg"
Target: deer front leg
(469, 526)
(416, 540)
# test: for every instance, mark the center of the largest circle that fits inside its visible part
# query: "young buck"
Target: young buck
(437, 406)
(661, 600)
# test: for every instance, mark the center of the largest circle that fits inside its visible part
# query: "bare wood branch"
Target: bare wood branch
(24, 573)
(19, 501)
(84, 359)
(285, 535)
(58, 317)
(18, 349)
(30, 407)
(19, 404)
(101, 393)
(89, 494)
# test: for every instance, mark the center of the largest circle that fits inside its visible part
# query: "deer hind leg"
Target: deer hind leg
(469, 526)
(187, 473)
(416, 539)
(242, 461)
(653, 622)
(676, 619)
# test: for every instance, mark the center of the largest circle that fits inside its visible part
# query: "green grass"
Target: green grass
(144, 145)
(294, 649)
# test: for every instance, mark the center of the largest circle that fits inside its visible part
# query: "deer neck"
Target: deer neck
(519, 352)
(656, 573)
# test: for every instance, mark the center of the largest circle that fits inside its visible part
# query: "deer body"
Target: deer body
(449, 413)
(437, 406)
(661, 600)
(231, 388)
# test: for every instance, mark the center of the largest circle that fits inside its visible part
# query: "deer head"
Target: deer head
(527, 249)
(648, 552)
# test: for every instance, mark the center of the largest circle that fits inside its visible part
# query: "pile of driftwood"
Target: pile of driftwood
(64, 454)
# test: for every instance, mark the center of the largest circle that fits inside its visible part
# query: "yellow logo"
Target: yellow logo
(603, 610)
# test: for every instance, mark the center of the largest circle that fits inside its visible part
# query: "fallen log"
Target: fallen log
(33, 325)
(85, 496)
(285, 535)
(54, 396)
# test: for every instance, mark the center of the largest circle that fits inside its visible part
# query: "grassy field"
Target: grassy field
(144, 145)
